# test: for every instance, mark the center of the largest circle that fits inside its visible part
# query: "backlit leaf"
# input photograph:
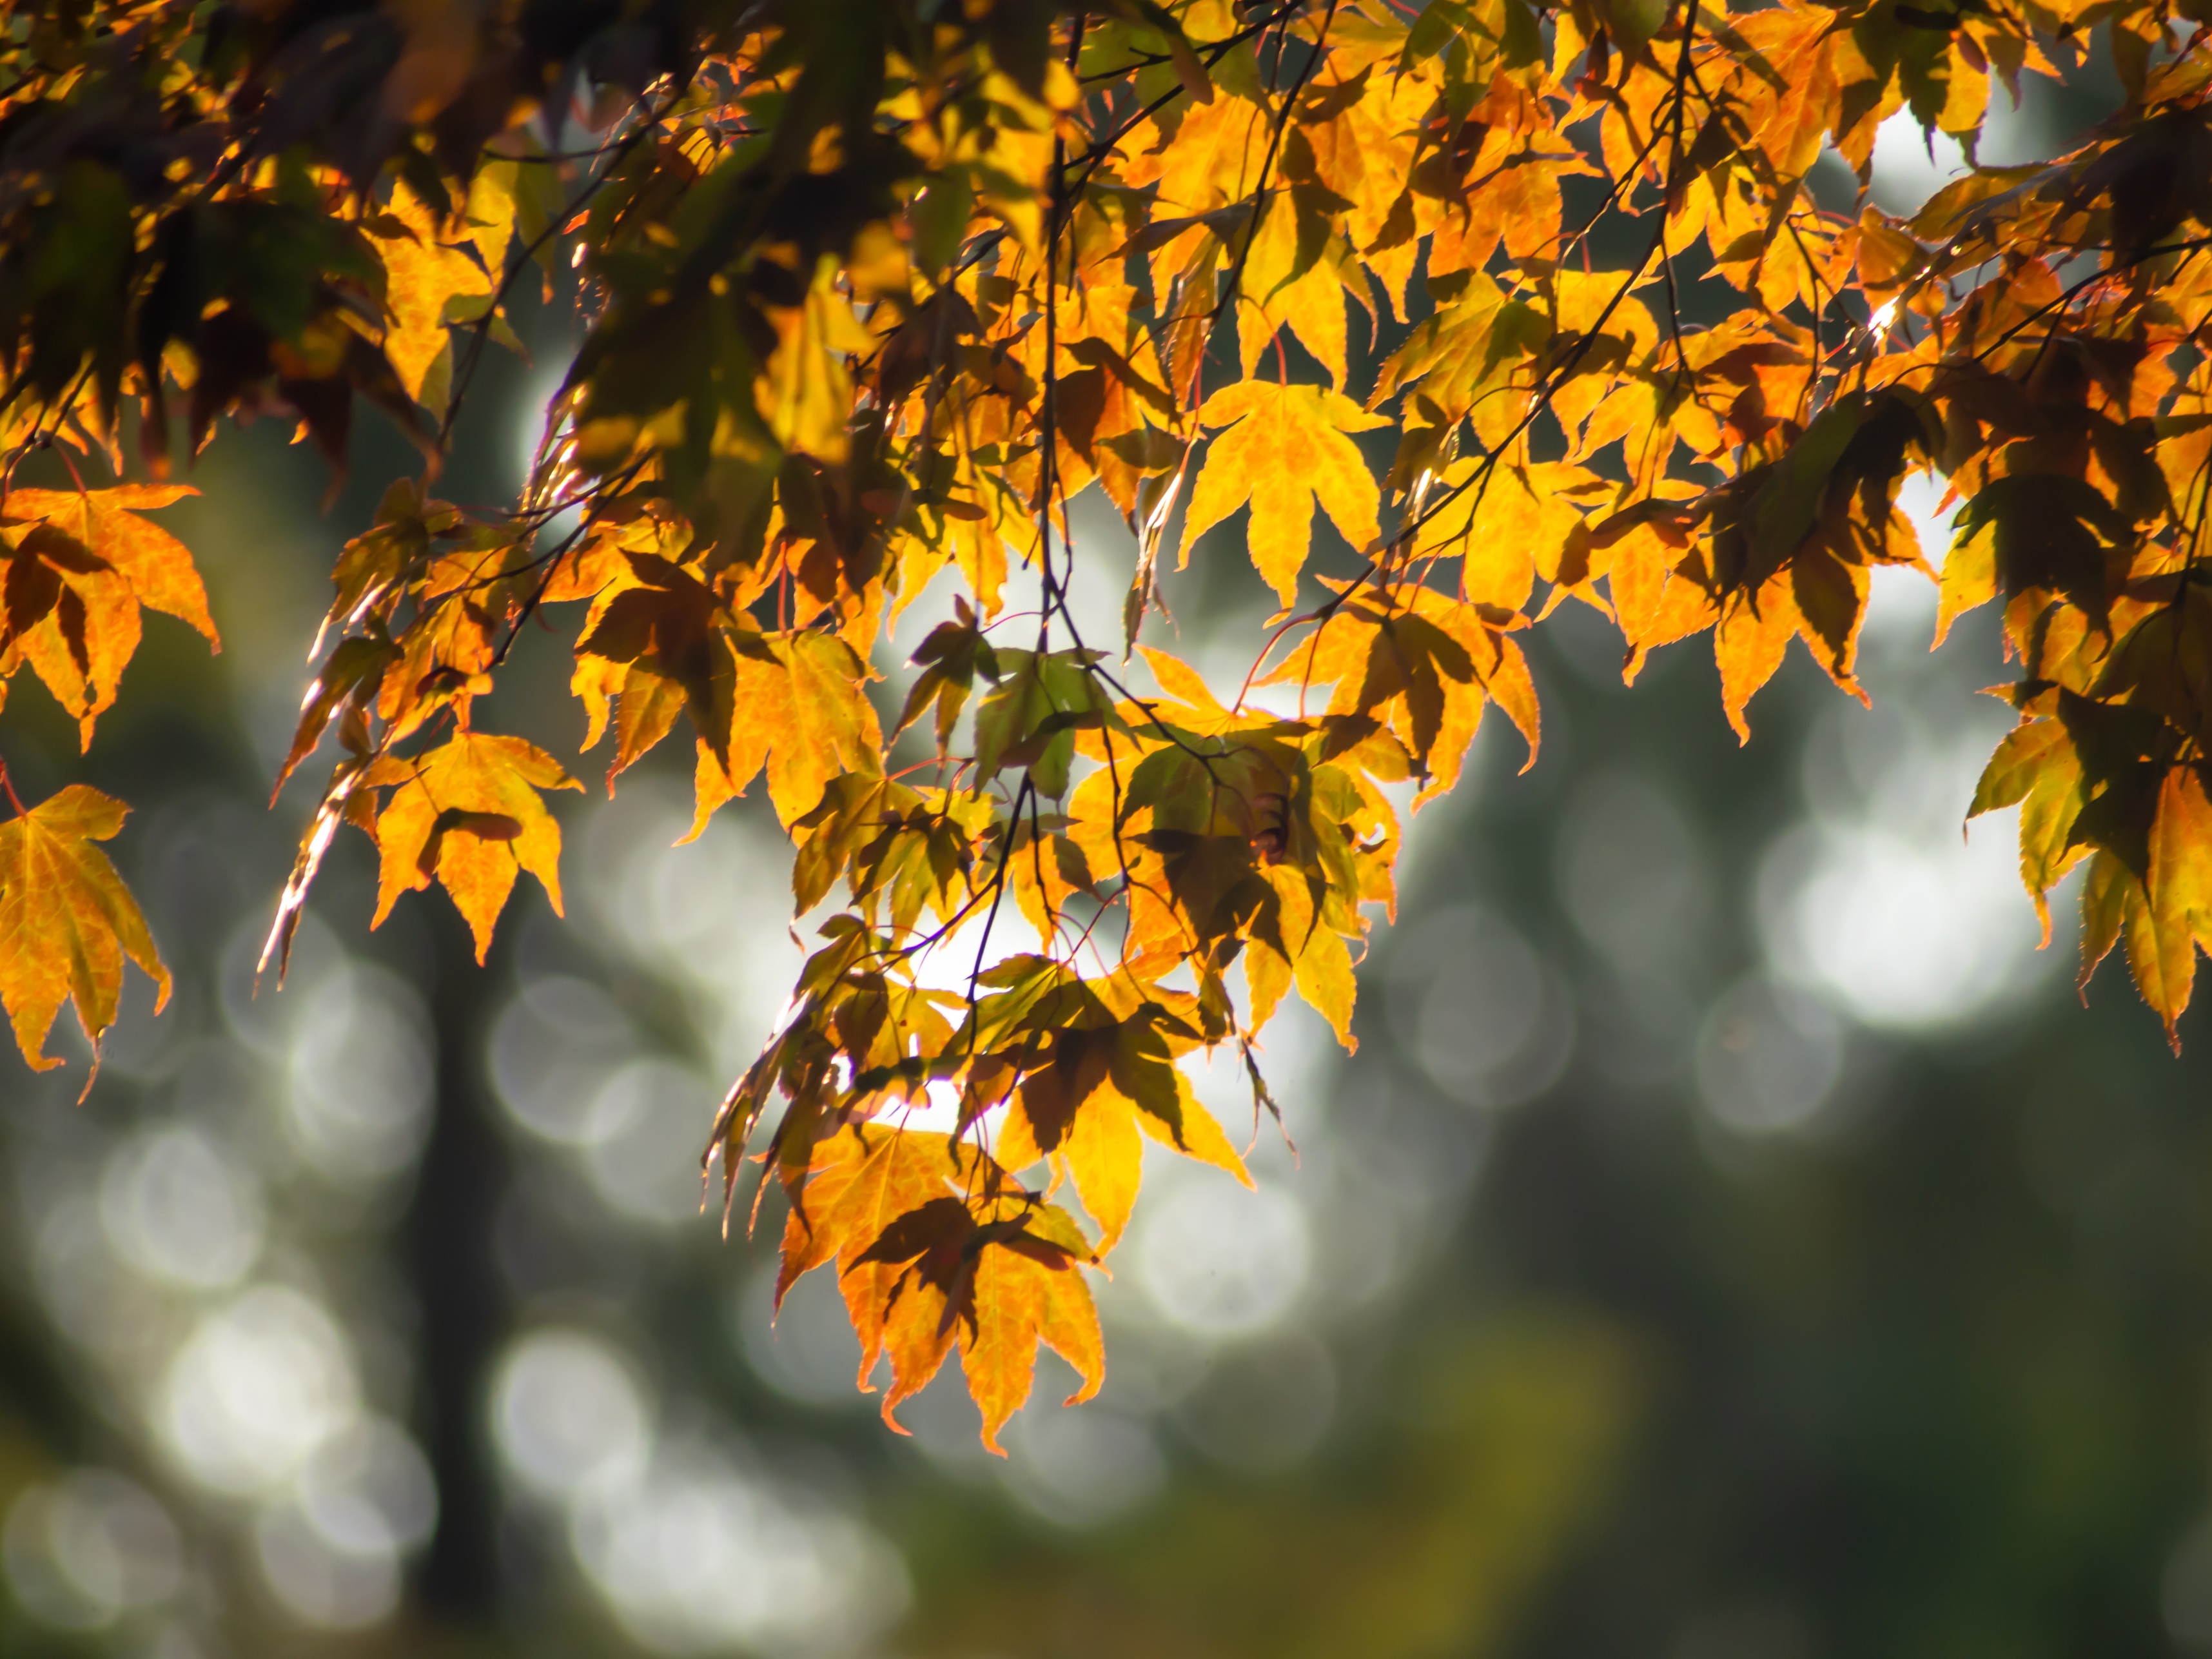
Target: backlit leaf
(1090, 1104)
(78, 566)
(67, 923)
(468, 815)
(1283, 452)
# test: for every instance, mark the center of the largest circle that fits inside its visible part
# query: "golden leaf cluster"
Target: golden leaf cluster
(874, 292)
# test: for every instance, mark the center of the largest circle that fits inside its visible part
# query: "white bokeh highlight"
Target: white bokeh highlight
(180, 1210)
(1768, 1059)
(692, 1551)
(1219, 1260)
(90, 1548)
(256, 1391)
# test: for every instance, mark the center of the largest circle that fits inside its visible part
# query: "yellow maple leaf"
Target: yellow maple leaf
(423, 276)
(1816, 597)
(1291, 945)
(67, 922)
(80, 564)
(1423, 664)
(995, 1283)
(1089, 1107)
(807, 719)
(1211, 160)
(2037, 769)
(1510, 524)
(468, 814)
(861, 1179)
(1285, 450)
(1290, 284)
(2176, 915)
(1020, 1301)
(806, 394)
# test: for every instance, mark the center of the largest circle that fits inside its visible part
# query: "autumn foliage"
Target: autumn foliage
(874, 289)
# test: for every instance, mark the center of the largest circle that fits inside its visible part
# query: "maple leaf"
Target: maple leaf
(860, 1182)
(2037, 769)
(347, 684)
(806, 394)
(1290, 944)
(67, 922)
(1207, 161)
(79, 566)
(2033, 536)
(1508, 525)
(1285, 450)
(468, 814)
(1089, 1105)
(1788, 548)
(2151, 883)
(898, 850)
(649, 648)
(1031, 718)
(1422, 664)
(799, 710)
(2176, 914)
(1291, 282)
(1455, 355)
(995, 1285)
(950, 659)
(428, 284)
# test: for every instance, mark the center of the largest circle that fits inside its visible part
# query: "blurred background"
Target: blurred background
(1732, 1240)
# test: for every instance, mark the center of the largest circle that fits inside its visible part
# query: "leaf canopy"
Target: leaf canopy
(871, 295)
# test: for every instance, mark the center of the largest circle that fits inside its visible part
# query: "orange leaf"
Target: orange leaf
(1089, 1105)
(995, 1288)
(861, 1182)
(2175, 914)
(1754, 631)
(81, 566)
(1021, 1301)
(1288, 285)
(800, 710)
(423, 275)
(67, 922)
(1286, 449)
(468, 813)
(1422, 664)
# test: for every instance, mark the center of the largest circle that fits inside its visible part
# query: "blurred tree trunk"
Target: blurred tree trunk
(449, 1248)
